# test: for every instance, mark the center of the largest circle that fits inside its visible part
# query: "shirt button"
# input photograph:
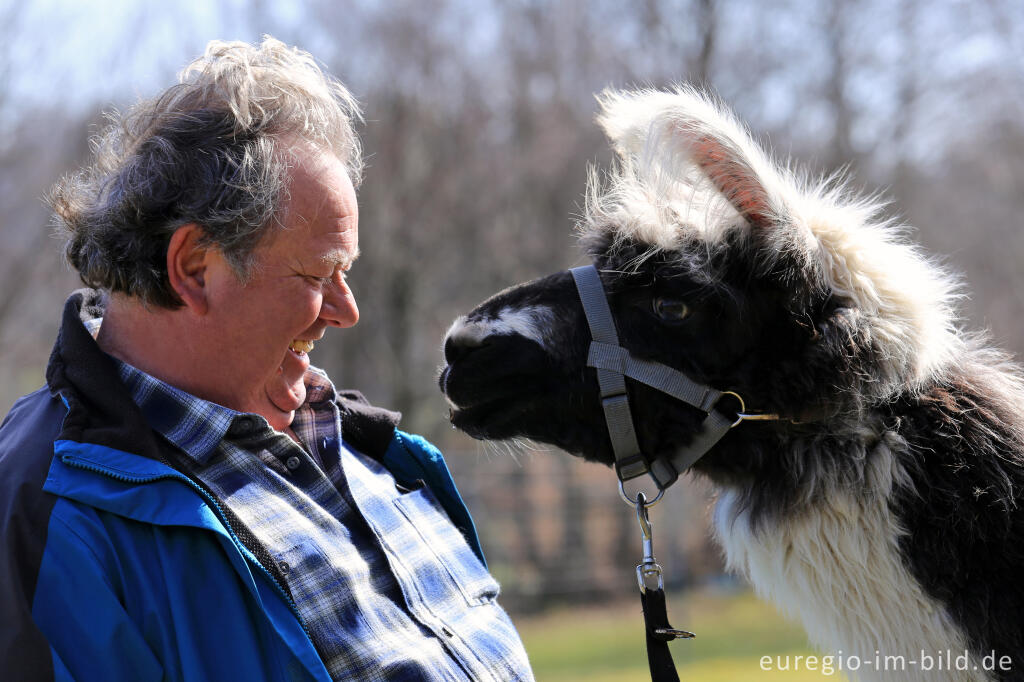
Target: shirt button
(284, 567)
(292, 463)
(241, 426)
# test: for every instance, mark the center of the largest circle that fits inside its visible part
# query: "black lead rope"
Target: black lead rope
(659, 658)
(652, 600)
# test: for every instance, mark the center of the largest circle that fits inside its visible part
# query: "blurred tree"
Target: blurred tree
(479, 133)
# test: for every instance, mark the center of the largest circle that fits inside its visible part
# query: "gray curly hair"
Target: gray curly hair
(214, 150)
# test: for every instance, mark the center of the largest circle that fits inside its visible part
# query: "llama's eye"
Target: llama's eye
(670, 309)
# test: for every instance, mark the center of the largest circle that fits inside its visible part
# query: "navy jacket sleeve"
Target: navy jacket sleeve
(26, 448)
(47, 565)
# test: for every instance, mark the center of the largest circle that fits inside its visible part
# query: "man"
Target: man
(188, 498)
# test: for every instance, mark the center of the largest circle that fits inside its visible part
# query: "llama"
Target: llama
(876, 499)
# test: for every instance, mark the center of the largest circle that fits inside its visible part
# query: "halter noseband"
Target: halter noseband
(613, 363)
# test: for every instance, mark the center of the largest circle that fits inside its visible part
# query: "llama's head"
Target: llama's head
(718, 263)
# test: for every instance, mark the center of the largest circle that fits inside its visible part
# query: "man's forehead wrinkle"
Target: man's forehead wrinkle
(306, 212)
(306, 169)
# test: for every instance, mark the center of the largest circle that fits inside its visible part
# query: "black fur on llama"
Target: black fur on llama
(881, 510)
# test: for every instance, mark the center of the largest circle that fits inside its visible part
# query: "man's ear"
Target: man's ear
(187, 260)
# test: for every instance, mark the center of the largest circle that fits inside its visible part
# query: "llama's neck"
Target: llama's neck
(835, 565)
(776, 471)
(864, 544)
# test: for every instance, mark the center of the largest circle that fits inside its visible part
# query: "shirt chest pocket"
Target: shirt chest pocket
(443, 541)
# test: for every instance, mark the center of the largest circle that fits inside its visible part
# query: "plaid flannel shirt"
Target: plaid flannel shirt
(383, 581)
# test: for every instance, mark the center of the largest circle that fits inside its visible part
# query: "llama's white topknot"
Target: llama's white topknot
(689, 172)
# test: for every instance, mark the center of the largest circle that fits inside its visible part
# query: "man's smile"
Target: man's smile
(301, 346)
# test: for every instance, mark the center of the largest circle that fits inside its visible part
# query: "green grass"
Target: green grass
(605, 643)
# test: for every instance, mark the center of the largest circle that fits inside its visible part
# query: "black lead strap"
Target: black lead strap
(659, 658)
(652, 600)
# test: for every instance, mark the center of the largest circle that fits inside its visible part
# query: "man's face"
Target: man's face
(297, 290)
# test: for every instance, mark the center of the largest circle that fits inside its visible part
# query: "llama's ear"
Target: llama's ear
(684, 135)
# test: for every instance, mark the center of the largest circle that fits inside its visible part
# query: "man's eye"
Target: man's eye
(669, 309)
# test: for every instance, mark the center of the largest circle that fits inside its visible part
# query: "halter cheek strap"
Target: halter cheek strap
(629, 462)
(613, 363)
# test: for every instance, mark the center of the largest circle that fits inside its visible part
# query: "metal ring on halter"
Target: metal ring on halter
(743, 406)
(744, 416)
(634, 501)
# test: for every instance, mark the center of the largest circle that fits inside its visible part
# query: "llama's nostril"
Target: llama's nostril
(451, 351)
(455, 349)
(458, 346)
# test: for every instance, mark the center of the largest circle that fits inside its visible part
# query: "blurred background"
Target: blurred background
(479, 134)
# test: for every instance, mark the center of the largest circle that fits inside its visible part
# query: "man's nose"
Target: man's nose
(339, 307)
